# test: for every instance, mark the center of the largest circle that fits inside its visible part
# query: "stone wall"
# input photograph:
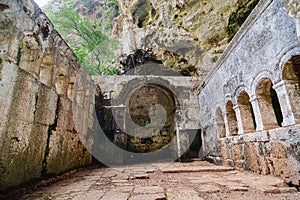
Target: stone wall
(38, 82)
(137, 94)
(250, 99)
(183, 89)
(293, 9)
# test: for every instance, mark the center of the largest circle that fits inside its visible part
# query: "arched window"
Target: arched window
(291, 75)
(247, 114)
(268, 104)
(231, 118)
(220, 123)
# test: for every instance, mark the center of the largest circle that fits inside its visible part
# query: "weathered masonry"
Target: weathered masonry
(141, 99)
(250, 103)
(40, 89)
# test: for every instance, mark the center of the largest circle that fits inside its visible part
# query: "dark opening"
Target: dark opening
(140, 23)
(3, 7)
(252, 115)
(195, 145)
(276, 106)
(105, 115)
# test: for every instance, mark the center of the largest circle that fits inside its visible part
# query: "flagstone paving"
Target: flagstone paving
(161, 181)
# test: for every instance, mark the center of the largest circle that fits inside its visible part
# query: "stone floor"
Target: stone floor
(159, 181)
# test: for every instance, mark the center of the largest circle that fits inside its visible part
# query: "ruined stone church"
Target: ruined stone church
(193, 90)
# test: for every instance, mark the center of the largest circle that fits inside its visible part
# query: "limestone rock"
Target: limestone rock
(187, 36)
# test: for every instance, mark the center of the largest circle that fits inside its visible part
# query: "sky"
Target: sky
(41, 3)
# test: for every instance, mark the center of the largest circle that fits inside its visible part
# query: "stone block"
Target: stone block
(46, 105)
(262, 136)
(65, 115)
(65, 152)
(17, 161)
(148, 190)
(251, 157)
(182, 193)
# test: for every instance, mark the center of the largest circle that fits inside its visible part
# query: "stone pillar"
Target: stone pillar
(298, 28)
(226, 125)
(239, 119)
(286, 109)
(257, 114)
(178, 140)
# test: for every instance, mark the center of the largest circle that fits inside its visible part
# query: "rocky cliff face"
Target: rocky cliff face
(186, 35)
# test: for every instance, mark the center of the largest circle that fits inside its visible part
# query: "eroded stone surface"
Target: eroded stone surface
(37, 86)
(187, 36)
(176, 186)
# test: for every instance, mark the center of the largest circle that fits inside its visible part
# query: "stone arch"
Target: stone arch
(221, 131)
(291, 77)
(227, 98)
(246, 112)
(285, 56)
(257, 78)
(268, 104)
(154, 93)
(240, 89)
(142, 108)
(134, 111)
(231, 119)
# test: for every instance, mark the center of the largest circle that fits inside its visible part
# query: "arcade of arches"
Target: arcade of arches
(269, 113)
(269, 109)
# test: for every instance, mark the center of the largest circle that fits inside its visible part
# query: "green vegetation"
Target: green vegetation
(112, 11)
(233, 24)
(214, 59)
(93, 48)
(19, 53)
(237, 17)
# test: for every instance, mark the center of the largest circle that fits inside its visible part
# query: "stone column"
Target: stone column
(239, 119)
(178, 140)
(286, 109)
(226, 125)
(257, 114)
(298, 28)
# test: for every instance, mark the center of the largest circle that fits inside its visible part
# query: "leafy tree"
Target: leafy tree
(111, 12)
(92, 47)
